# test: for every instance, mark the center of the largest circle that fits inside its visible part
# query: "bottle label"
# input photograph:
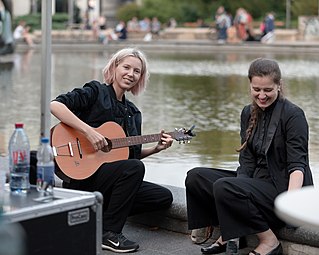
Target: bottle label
(19, 156)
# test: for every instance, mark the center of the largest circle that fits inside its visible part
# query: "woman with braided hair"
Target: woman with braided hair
(273, 158)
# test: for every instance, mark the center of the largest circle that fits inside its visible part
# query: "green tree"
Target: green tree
(305, 7)
(181, 10)
(191, 10)
(127, 11)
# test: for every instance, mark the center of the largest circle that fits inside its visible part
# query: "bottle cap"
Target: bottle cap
(44, 140)
(19, 125)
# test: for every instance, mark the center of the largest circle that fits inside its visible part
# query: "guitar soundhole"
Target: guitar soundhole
(109, 145)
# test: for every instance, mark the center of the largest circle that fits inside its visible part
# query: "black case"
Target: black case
(70, 224)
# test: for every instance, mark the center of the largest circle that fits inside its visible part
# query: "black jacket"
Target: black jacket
(96, 104)
(286, 148)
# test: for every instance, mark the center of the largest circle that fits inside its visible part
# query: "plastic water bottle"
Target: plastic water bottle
(19, 160)
(232, 247)
(45, 168)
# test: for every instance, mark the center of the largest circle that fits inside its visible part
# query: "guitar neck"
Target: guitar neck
(135, 140)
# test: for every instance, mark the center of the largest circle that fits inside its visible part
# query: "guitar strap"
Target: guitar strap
(120, 114)
(125, 119)
(127, 127)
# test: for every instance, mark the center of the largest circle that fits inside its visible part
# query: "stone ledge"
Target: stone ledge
(179, 33)
(298, 241)
(186, 33)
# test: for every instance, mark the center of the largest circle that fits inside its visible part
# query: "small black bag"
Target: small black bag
(33, 167)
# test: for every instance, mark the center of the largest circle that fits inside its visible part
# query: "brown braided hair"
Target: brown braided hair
(260, 67)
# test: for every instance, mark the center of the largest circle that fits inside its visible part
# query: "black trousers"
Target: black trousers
(124, 191)
(239, 206)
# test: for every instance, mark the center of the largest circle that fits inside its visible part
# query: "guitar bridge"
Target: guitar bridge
(56, 148)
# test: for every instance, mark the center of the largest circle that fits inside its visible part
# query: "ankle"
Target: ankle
(220, 240)
(271, 243)
(266, 247)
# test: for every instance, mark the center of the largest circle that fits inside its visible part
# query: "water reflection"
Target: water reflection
(208, 90)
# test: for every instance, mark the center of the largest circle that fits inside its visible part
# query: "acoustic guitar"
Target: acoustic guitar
(77, 159)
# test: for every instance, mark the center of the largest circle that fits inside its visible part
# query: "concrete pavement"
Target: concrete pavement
(157, 241)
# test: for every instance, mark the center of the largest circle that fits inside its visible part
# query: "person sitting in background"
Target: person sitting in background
(223, 22)
(121, 31)
(101, 32)
(102, 23)
(96, 30)
(145, 25)
(133, 25)
(273, 158)
(267, 28)
(155, 27)
(171, 23)
(21, 32)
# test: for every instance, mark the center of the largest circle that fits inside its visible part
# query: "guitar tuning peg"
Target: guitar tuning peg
(192, 127)
(190, 131)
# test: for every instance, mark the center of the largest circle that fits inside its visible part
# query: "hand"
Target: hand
(97, 140)
(165, 142)
(295, 180)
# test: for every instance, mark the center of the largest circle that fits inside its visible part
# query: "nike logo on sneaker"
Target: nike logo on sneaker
(115, 244)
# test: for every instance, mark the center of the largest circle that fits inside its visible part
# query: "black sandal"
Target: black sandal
(276, 251)
(214, 249)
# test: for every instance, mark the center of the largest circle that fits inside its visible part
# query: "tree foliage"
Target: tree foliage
(191, 10)
(127, 11)
(305, 7)
(182, 11)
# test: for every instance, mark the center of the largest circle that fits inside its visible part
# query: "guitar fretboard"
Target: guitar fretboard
(140, 139)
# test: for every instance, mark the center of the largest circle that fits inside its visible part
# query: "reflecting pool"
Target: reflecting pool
(207, 90)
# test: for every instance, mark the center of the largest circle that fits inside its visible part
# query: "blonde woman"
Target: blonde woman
(121, 182)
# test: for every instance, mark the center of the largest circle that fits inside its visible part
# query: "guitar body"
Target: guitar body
(77, 159)
(75, 155)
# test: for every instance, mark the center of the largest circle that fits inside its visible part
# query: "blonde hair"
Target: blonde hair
(118, 57)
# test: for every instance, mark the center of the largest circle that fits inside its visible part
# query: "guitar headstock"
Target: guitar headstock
(183, 135)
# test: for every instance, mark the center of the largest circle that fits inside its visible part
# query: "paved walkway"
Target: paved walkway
(162, 242)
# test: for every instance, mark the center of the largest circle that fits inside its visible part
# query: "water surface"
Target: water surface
(207, 90)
